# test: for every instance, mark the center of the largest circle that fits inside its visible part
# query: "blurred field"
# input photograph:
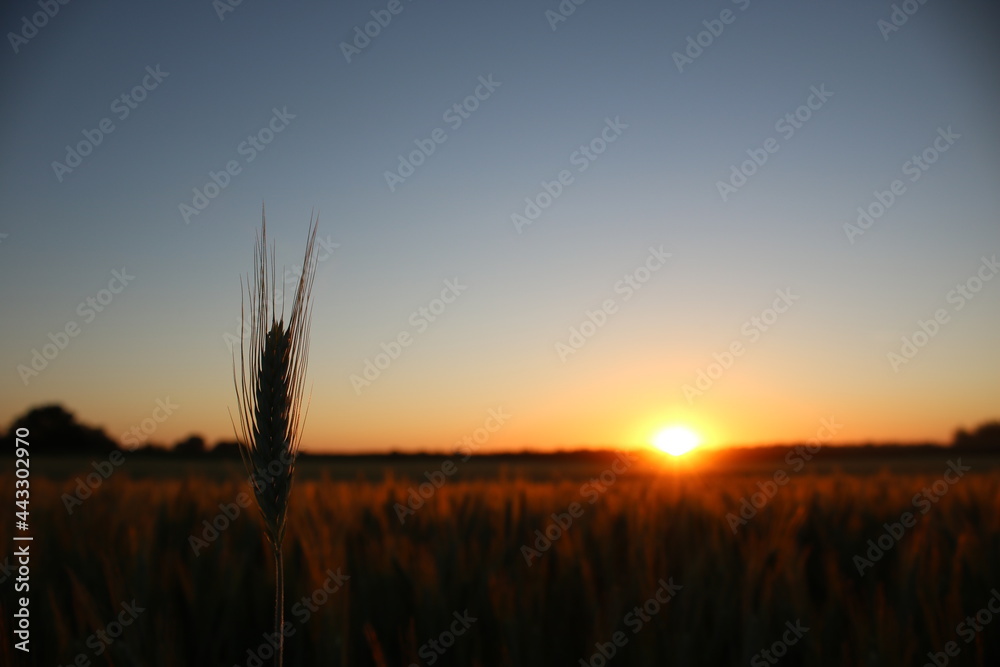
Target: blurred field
(462, 551)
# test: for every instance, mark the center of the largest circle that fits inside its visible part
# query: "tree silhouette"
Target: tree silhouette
(54, 430)
(193, 445)
(227, 449)
(985, 438)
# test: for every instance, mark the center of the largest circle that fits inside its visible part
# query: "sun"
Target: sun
(676, 440)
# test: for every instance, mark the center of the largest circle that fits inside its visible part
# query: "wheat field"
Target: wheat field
(365, 589)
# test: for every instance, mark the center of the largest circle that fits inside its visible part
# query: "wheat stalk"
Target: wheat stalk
(269, 392)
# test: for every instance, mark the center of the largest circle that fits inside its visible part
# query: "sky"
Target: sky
(588, 222)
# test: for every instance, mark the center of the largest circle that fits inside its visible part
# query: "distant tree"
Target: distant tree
(985, 438)
(151, 449)
(54, 430)
(227, 449)
(193, 445)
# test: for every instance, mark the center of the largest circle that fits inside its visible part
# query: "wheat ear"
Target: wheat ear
(269, 392)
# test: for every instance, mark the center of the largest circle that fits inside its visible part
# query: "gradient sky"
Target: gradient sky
(164, 335)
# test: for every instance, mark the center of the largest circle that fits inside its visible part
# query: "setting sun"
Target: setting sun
(676, 440)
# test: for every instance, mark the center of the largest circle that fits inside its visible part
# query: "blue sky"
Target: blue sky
(344, 124)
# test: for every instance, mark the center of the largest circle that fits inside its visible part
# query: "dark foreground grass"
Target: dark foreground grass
(461, 553)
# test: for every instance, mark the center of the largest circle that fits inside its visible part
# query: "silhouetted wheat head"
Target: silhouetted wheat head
(269, 391)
